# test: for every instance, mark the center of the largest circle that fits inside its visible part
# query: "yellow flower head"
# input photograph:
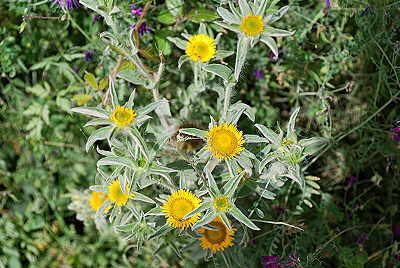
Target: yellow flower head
(115, 194)
(122, 116)
(225, 141)
(97, 199)
(222, 203)
(201, 48)
(252, 25)
(82, 99)
(179, 204)
(218, 239)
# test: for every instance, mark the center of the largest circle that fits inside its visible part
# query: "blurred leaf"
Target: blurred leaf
(202, 15)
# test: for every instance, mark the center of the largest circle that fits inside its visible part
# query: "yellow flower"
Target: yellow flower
(122, 116)
(252, 25)
(222, 203)
(225, 141)
(179, 204)
(201, 48)
(97, 199)
(82, 99)
(218, 239)
(115, 194)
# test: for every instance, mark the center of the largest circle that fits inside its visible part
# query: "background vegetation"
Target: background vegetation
(341, 67)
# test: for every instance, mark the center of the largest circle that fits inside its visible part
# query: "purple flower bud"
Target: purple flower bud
(396, 231)
(95, 19)
(362, 239)
(143, 28)
(270, 262)
(69, 4)
(258, 74)
(75, 69)
(89, 55)
(396, 130)
(136, 10)
(327, 3)
(351, 180)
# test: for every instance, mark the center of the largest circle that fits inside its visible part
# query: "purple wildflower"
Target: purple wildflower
(362, 239)
(351, 180)
(270, 262)
(143, 28)
(396, 134)
(279, 210)
(95, 19)
(69, 4)
(75, 69)
(396, 231)
(293, 260)
(327, 4)
(89, 55)
(136, 10)
(258, 74)
(397, 257)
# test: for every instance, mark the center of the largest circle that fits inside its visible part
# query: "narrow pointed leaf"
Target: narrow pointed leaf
(270, 42)
(97, 122)
(161, 231)
(237, 214)
(194, 132)
(130, 103)
(99, 134)
(244, 7)
(228, 16)
(142, 197)
(269, 134)
(270, 31)
(241, 54)
(149, 108)
(218, 69)
(93, 111)
(211, 182)
(269, 158)
(231, 186)
(115, 161)
(207, 218)
(201, 208)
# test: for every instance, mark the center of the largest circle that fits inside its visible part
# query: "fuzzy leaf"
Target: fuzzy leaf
(93, 111)
(245, 8)
(237, 214)
(270, 31)
(141, 197)
(96, 122)
(207, 218)
(219, 70)
(228, 16)
(241, 54)
(270, 42)
(99, 134)
(199, 209)
(194, 132)
(115, 161)
(91, 80)
(182, 44)
(269, 134)
(161, 231)
(222, 54)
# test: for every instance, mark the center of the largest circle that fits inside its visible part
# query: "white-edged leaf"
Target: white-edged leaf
(207, 218)
(115, 161)
(218, 69)
(270, 42)
(245, 8)
(99, 188)
(313, 145)
(138, 139)
(182, 60)
(93, 111)
(232, 28)
(142, 197)
(211, 183)
(194, 132)
(269, 158)
(150, 107)
(100, 134)
(226, 221)
(199, 209)
(269, 134)
(182, 44)
(254, 139)
(261, 8)
(292, 121)
(222, 54)
(241, 54)
(231, 186)
(130, 103)
(270, 31)
(157, 211)
(276, 16)
(161, 231)
(228, 16)
(237, 214)
(97, 122)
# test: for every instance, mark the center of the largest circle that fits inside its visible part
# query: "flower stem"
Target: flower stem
(227, 98)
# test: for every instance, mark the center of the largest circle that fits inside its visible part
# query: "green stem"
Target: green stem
(227, 98)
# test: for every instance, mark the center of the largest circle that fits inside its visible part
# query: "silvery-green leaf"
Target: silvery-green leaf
(244, 161)
(138, 139)
(93, 111)
(102, 209)
(232, 28)
(115, 161)
(292, 121)
(237, 214)
(133, 77)
(226, 221)
(276, 16)
(233, 116)
(211, 183)
(203, 154)
(270, 31)
(182, 60)
(199, 209)
(221, 54)
(161, 231)
(207, 218)
(97, 122)
(269, 134)
(113, 93)
(202, 29)
(313, 145)
(157, 211)
(194, 132)
(100, 188)
(129, 103)
(269, 158)
(261, 7)
(241, 54)
(218, 69)
(142, 197)
(141, 119)
(158, 168)
(270, 42)
(254, 139)
(228, 16)
(182, 44)
(248, 154)
(175, 7)
(231, 186)
(265, 193)
(150, 107)
(297, 178)
(245, 8)
(99, 134)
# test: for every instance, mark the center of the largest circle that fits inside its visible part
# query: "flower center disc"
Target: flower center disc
(252, 25)
(224, 142)
(122, 116)
(221, 203)
(181, 207)
(216, 237)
